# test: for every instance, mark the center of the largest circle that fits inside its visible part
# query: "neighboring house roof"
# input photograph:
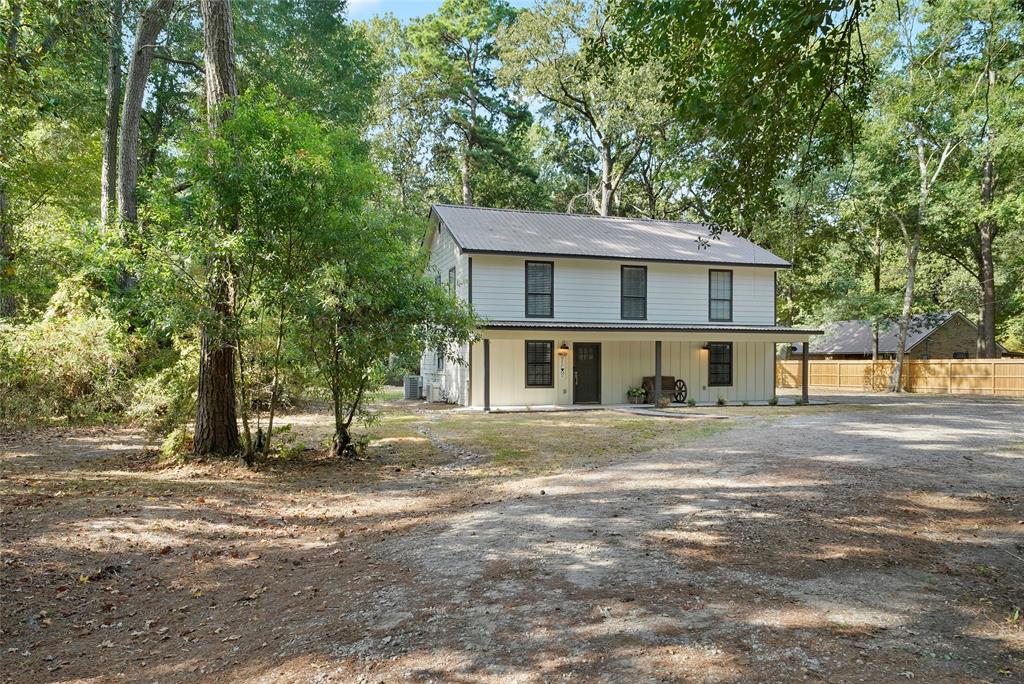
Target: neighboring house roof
(536, 233)
(856, 337)
(643, 326)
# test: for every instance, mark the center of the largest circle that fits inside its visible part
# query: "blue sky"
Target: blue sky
(403, 9)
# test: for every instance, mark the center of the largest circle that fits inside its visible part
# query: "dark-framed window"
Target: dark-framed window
(540, 363)
(540, 289)
(451, 280)
(439, 359)
(719, 295)
(719, 364)
(633, 287)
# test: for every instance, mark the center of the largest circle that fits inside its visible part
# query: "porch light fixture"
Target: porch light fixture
(563, 350)
(705, 347)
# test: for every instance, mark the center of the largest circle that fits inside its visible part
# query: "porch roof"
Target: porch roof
(645, 326)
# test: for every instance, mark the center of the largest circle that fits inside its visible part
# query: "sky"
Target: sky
(403, 9)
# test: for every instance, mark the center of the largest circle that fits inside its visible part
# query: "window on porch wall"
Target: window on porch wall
(719, 364)
(540, 363)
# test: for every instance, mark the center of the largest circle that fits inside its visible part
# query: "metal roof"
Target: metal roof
(643, 326)
(855, 337)
(506, 231)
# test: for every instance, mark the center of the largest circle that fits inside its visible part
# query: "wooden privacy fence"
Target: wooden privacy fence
(1004, 377)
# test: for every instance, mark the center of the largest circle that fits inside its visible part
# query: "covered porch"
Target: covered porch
(520, 365)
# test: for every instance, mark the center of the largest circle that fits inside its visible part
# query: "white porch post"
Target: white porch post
(487, 374)
(804, 366)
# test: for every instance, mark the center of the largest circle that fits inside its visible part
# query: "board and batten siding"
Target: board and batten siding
(624, 364)
(454, 379)
(588, 290)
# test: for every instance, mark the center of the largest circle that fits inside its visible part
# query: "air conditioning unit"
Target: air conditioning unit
(413, 387)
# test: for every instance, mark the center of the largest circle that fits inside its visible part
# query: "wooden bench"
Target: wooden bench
(668, 387)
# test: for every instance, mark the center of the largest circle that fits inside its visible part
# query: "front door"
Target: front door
(586, 371)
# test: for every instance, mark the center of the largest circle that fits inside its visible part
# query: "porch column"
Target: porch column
(657, 372)
(487, 374)
(804, 381)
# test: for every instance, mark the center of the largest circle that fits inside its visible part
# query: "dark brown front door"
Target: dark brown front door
(586, 368)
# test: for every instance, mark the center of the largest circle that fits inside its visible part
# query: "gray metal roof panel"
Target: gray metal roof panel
(855, 337)
(506, 231)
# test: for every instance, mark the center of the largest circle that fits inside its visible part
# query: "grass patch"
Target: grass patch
(541, 443)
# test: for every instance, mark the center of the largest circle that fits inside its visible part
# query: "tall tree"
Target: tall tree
(559, 52)
(916, 127)
(46, 76)
(453, 54)
(762, 80)
(216, 430)
(112, 114)
(151, 24)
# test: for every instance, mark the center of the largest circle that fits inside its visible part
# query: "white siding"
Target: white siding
(453, 380)
(587, 290)
(624, 364)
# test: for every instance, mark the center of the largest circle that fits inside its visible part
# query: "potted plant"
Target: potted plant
(636, 395)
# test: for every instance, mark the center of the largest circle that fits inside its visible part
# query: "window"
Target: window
(437, 279)
(439, 359)
(451, 280)
(634, 292)
(540, 287)
(720, 293)
(960, 355)
(540, 360)
(719, 364)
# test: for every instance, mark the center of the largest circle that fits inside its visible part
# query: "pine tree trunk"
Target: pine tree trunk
(467, 187)
(151, 23)
(112, 116)
(216, 421)
(7, 304)
(987, 348)
(216, 424)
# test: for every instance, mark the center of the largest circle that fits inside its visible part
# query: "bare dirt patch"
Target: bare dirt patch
(875, 544)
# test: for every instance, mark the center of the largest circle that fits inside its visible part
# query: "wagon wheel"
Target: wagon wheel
(679, 395)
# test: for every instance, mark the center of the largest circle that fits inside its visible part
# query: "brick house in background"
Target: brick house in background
(943, 335)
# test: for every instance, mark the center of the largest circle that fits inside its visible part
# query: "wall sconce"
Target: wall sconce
(705, 347)
(563, 350)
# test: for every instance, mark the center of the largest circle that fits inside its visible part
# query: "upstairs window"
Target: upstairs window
(719, 364)
(451, 281)
(720, 295)
(540, 360)
(634, 293)
(540, 288)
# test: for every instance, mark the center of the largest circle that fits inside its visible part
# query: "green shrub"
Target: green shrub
(164, 398)
(774, 401)
(691, 402)
(75, 367)
(721, 401)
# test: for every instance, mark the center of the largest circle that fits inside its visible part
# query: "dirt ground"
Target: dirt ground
(880, 539)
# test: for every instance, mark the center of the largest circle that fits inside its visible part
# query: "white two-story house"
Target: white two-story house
(577, 309)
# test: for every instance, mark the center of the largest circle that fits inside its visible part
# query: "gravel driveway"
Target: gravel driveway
(874, 541)
(880, 539)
